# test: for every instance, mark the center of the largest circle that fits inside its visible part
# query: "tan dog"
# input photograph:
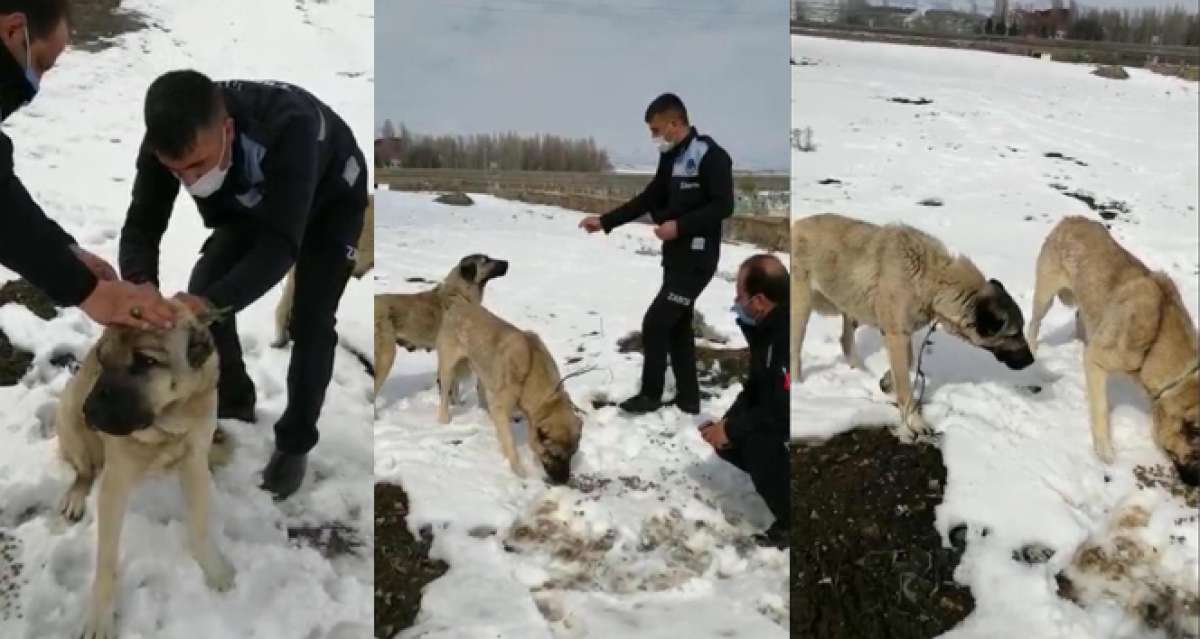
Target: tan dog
(412, 320)
(364, 261)
(1132, 321)
(899, 280)
(142, 402)
(516, 371)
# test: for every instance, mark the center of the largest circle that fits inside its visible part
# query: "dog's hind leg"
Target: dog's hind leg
(849, 325)
(385, 352)
(801, 309)
(283, 312)
(116, 482)
(1044, 290)
(196, 479)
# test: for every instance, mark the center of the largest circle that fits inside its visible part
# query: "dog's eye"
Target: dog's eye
(142, 363)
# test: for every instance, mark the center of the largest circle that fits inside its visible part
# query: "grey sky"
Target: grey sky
(588, 67)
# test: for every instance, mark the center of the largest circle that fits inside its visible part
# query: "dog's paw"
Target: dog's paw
(219, 574)
(913, 427)
(73, 504)
(100, 623)
(886, 384)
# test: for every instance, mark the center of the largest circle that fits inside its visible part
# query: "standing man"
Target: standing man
(690, 195)
(278, 176)
(35, 33)
(754, 433)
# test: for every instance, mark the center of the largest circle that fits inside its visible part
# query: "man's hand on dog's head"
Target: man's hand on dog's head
(196, 304)
(119, 303)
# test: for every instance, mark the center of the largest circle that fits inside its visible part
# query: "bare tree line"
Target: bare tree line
(1175, 26)
(499, 151)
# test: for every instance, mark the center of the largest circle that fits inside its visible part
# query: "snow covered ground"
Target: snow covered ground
(1020, 463)
(75, 150)
(649, 539)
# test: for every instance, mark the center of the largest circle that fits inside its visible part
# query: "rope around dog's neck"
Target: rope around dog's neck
(920, 378)
(1176, 382)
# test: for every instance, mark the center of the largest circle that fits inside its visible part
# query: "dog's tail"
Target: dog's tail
(221, 450)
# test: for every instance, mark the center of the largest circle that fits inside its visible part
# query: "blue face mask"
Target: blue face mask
(743, 315)
(30, 75)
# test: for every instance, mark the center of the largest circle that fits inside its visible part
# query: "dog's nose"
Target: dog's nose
(1189, 473)
(501, 267)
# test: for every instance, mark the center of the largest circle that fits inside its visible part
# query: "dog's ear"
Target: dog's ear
(199, 346)
(997, 284)
(987, 322)
(467, 271)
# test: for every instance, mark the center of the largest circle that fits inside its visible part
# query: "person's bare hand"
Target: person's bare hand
(118, 303)
(714, 434)
(198, 305)
(96, 264)
(667, 231)
(591, 224)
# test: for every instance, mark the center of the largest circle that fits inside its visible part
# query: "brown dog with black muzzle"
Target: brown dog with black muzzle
(517, 372)
(899, 280)
(1132, 320)
(142, 403)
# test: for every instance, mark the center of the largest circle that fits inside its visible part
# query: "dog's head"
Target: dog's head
(1176, 416)
(555, 429)
(994, 323)
(144, 372)
(473, 273)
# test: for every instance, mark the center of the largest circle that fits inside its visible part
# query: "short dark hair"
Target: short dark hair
(667, 103)
(178, 105)
(765, 274)
(43, 16)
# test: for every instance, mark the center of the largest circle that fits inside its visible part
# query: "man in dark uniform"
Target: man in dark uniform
(689, 197)
(754, 433)
(35, 33)
(280, 178)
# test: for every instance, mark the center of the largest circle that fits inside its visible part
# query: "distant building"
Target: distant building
(948, 21)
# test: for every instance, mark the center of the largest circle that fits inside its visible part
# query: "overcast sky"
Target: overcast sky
(583, 68)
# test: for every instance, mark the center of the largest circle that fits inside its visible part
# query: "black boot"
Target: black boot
(284, 474)
(639, 404)
(236, 398)
(689, 406)
(776, 536)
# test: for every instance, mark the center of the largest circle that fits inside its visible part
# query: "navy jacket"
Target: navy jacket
(293, 159)
(693, 186)
(763, 406)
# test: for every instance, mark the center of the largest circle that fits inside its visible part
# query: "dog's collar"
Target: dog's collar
(1176, 382)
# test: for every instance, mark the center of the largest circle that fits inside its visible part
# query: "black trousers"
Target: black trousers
(667, 330)
(765, 459)
(322, 270)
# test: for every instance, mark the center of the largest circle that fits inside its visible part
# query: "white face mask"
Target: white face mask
(211, 182)
(662, 144)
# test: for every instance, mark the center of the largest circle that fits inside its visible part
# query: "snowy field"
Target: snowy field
(75, 151)
(651, 537)
(1020, 462)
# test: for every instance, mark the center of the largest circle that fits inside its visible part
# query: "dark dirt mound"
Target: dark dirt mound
(916, 101)
(455, 199)
(11, 581)
(1112, 72)
(866, 560)
(402, 563)
(96, 23)
(331, 539)
(13, 361)
(716, 367)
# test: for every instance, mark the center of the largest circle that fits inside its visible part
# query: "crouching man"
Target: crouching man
(754, 433)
